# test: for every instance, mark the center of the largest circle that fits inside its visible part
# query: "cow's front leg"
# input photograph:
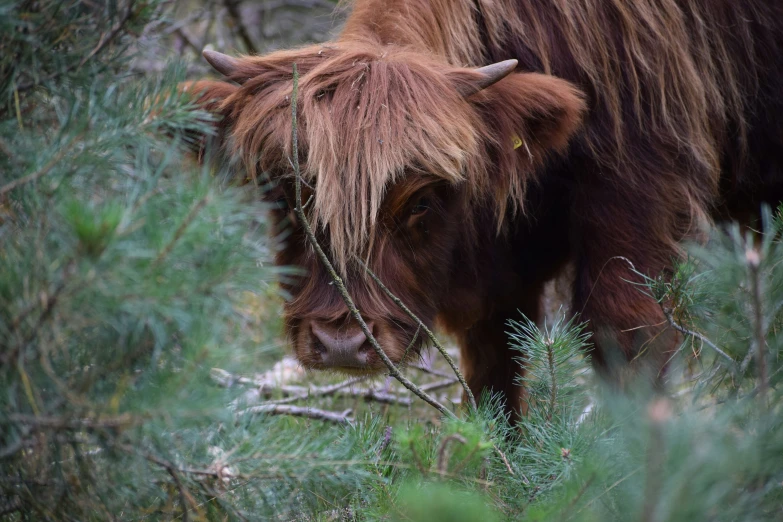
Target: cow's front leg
(489, 364)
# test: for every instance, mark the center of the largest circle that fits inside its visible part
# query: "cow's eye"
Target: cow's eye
(281, 203)
(421, 207)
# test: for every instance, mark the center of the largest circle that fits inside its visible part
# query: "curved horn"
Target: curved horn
(490, 74)
(222, 63)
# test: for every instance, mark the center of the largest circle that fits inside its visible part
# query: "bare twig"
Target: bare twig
(437, 385)
(440, 348)
(410, 344)
(431, 371)
(297, 393)
(505, 461)
(300, 411)
(668, 313)
(183, 497)
(227, 380)
(338, 282)
(367, 394)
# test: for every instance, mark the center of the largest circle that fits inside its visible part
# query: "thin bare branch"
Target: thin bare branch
(301, 411)
(550, 355)
(183, 496)
(437, 385)
(668, 313)
(302, 392)
(440, 348)
(431, 371)
(505, 461)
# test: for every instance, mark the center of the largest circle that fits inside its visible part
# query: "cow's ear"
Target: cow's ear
(208, 94)
(533, 114)
(215, 98)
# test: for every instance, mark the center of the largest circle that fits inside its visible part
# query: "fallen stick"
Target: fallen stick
(294, 393)
(301, 411)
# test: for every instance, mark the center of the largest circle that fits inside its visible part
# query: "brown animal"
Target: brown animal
(625, 126)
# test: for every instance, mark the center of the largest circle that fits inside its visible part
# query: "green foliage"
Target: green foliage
(125, 274)
(440, 503)
(712, 451)
(556, 380)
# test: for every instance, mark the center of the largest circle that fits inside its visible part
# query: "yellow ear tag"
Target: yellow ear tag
(517, 141)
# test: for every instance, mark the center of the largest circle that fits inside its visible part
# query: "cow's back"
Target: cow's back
(695, 84)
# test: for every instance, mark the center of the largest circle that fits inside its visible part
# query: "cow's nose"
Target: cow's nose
(341, 345)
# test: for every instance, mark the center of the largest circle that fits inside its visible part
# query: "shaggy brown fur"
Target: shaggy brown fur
(683, 121)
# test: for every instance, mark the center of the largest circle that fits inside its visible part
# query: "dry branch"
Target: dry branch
(431, 371)
(437, 385)
(301, 411)
(668, 313)
(295, 393)
(367, 394)
(429, 333)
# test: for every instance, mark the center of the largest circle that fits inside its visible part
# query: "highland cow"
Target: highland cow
(603, 133)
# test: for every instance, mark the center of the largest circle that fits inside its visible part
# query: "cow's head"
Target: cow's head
(401, 155)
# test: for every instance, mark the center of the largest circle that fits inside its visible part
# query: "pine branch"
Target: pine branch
(437, 385)
(181, 229)
(550, 355)
(754, 261)
(338, 282)
(102, 43)
(43, 171)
